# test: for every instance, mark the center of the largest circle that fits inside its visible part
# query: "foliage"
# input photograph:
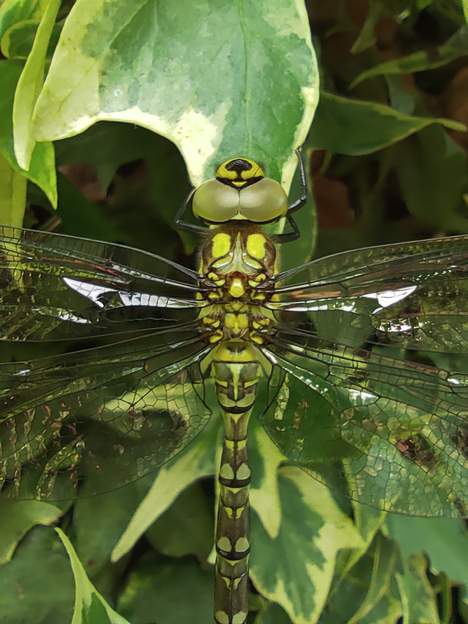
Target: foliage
(386, 154)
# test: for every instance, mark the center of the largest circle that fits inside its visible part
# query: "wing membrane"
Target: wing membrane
(60, 287)
(411, 295)
(117, 411)
(358, 338)
(399, 427)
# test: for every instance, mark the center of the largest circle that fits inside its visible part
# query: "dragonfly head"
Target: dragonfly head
(239, 192)
(239, 172)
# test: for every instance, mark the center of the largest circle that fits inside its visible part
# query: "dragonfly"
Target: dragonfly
(355, 362)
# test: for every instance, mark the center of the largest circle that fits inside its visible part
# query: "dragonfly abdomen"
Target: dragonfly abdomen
(236, 373)
(236, 260)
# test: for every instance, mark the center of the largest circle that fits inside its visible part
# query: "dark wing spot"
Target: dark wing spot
(417, 449)
(460, 440)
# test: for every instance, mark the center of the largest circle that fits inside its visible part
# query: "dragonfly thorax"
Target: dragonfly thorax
(237, 262)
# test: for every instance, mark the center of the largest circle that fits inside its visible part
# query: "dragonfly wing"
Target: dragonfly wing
(118, 412)
(407, 295)
(61, 287)
(399, 428)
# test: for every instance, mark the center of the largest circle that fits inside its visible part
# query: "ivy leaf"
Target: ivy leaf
(265, 459)
(36, 586)
(215, 79)
(431, 169)
(384, 560)
(366, 37)
(443, 540)
(42, 167)
(455, 47)
(357, 594)
(168, 592)
(90, 607)
(185, 528)
(273, 614)
(17, 518)
(14, 11)
(387, 611)
(296, 568)
(99, 521)
(417, 594)
(354, 127)
(29, 86)
(194, 463)
(368, 521)
(18, 40)
(12, 194)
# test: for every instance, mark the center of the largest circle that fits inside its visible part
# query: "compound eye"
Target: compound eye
(263, 201)
(215, 202)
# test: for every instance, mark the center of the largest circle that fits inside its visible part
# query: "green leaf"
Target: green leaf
(366, 38)
(107, 146)
(400, 96)
(90, 607)
(273, 614)
(417, 594)
(296, 568)
(384, 560)
(387, 611)
(12, 194)
(431, 169)
(354, 127)
(17, 518)
(449, 11)
(159, 192)
(214, 78)
(14, 11)
(455, 47)
(99, 521)
(36, 586)
(357, 594)
(195, 462)
(81, 217)
(29, 86)
(187, 527)
(168, 592)
(463, 604)
(42, 167)
(265, 458)
(18, 40)
(443, 540)
(465, 9)
(368, 521)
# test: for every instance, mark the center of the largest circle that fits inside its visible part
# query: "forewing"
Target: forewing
(397, 429)
(60, 287)
(407, 295)
(115, 412)
(359, 337)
